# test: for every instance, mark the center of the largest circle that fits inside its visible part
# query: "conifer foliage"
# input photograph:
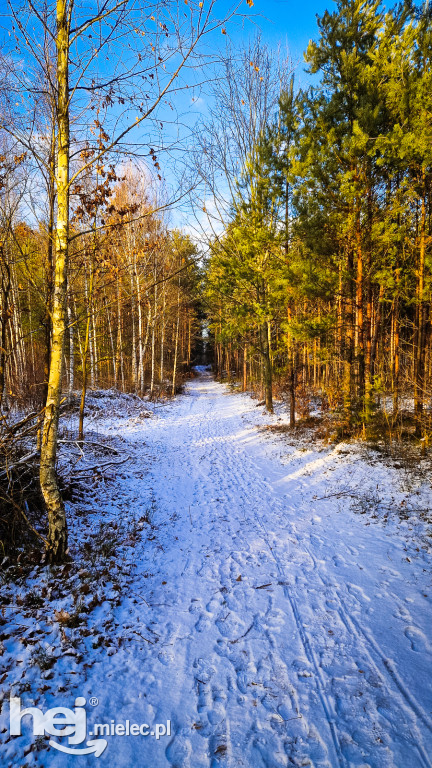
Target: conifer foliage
(321, 282)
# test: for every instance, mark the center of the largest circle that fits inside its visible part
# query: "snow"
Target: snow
(271, 600)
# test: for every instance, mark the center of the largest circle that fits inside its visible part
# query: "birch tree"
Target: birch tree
(129, 91)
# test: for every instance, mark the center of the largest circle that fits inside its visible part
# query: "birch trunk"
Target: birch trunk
(87, 348)
(5, 286)
(111, 337)
(153, 343)
(119, 370)
(57, 528)
(71, 352)
(176, 344)
(134, 339)
(140, 331)
(162, 337)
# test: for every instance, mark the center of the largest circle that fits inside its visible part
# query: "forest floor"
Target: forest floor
(272, 600)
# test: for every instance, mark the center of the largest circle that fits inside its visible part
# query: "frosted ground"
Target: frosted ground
(226, 581)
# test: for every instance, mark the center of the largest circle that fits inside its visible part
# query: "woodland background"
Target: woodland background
(305, 271)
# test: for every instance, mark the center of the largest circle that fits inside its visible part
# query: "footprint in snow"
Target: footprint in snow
(179, 750)
(418, 640)
(213, 605)
(358, 593)
(338, 561)
(166, 657)
(203, 623)
(269, 750)
(204, 671)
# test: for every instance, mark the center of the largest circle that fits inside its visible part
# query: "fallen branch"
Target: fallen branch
(142, 636)
(23, 460)
(99, 467)
(241, 636)
(32, 528)
(18, 424)
(79, 443)
(337, 495)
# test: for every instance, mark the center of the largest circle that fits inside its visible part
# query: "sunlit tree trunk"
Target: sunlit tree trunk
(119, 370)
(111, 337)
(95, 356)
(358, 334)
(244, 386)
(86, 350)
(176, 343)
(267, 367)
(5, 316)
(153, 343)
(140, 330)
(349, 338)
(369, 319)
(395, 354)
(57, 530)
(162, 335)
(71, 351)
(134, 367)
(419, 334)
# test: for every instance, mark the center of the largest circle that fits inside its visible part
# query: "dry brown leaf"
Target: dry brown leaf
(62, 616)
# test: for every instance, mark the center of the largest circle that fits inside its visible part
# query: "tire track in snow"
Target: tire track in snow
(325, 702)
(354, 627)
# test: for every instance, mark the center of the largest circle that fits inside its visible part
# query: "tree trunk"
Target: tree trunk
(6, 287)
(176, 344)
(419, 345)
(358, 343)
(349, 338)
(111, 337)
(292, 373)
(244, 386)
(267, 366)
(95, 358)
(119, 369)
(153, 343)
(87, 348)
(57, 528)
(369, 314)
(395, 361)
(71, 352)
(162, 337)
(134, 368)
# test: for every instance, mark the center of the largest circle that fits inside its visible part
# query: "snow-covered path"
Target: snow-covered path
(288, 633)
(272, 627)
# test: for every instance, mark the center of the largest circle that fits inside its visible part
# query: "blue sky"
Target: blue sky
(289, 22)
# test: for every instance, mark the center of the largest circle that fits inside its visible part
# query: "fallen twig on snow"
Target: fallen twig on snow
(241, 636)
(99, 467)
(337, 495)
(22, 460)
(81, 443)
